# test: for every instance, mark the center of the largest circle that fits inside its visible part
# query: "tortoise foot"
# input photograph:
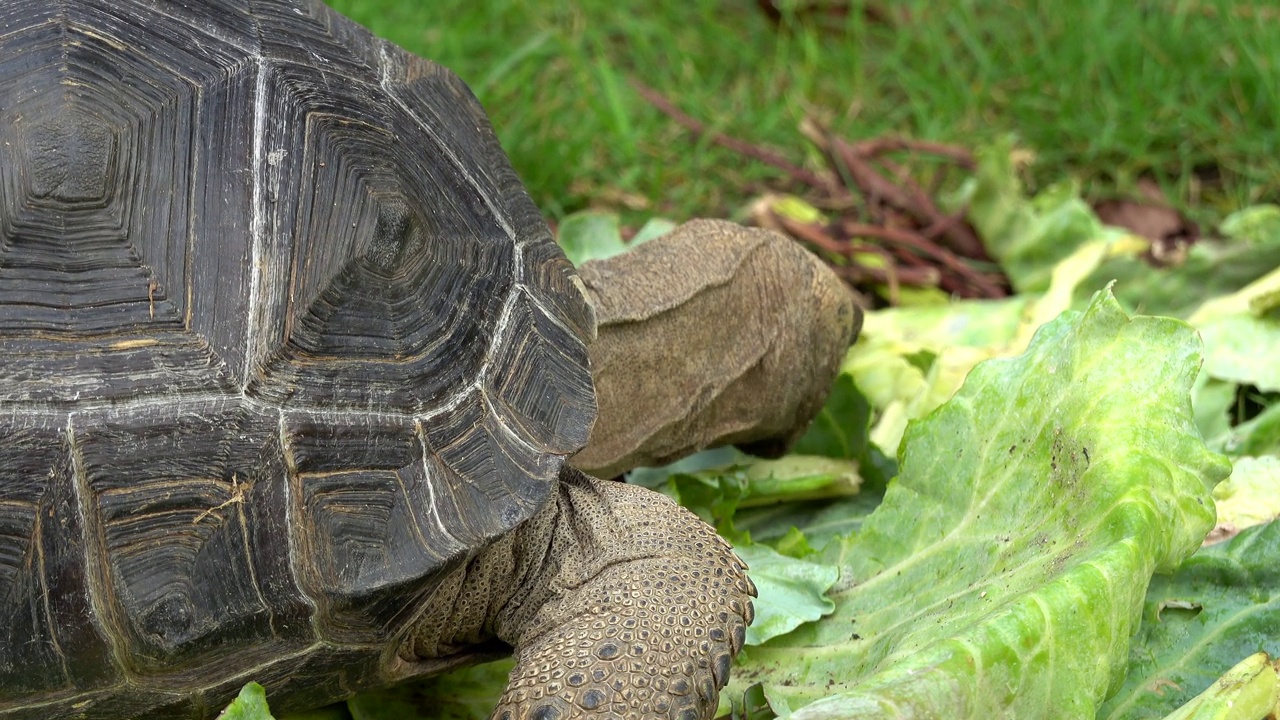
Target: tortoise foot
(651, 637)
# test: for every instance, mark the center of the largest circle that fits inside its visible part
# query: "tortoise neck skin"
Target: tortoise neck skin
(616, 600)
(713, 334)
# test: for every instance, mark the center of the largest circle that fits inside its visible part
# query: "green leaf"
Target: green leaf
(840, 429)
(713, 495)
(1212, 401)
(1032, 236)
(590, 235)
(908, 361)
(596, 235)
(1210, 270)
(652, 228)
(791, 592)
(1005, 570)
(819, 522)
(1258, 226)
(655, 478)
(251, 704)
(1257, 436)
(1259, 298)
(1221, 605)
(1028, 236)
(1243, 350)
(755, 705)
(970, 323)
(794, 544)
(799, 477)
(466, 694)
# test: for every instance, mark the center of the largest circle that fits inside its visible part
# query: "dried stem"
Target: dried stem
(920, 245)
(984, 285)
(765, 155)
(879, 146)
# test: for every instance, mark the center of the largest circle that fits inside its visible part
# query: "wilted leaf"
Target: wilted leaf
(791, 592)
(1251, 496)
(716, 494)
(1233, 592)
(1153, 221)
(250, 704)
(794, 208)
(1005, 569)
(1249, 691)
(820, 522)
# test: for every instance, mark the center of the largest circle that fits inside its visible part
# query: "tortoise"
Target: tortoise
(292, 372)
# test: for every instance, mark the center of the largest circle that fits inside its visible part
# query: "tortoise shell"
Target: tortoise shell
(284, 340)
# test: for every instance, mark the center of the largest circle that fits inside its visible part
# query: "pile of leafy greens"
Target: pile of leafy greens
(1002, 510)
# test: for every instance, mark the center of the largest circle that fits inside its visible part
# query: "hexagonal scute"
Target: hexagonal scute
(536, 382)
(48, 640)
(383, 506)
(189, 528)
(117, 231)
(385, 264)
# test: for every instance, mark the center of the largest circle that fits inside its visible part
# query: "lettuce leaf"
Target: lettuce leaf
(1005, 571)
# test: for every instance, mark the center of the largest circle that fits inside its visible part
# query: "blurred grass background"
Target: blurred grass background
(1186, 92)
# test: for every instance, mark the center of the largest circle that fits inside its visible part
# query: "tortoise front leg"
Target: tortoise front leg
(618, 602)
(636, 610)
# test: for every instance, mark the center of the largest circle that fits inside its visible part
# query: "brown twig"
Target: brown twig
(892, 274)
(893, 278)
(874, 186)
(876, 147)
(907, 197)
(813, 234)
(961, 237)
(940, 226)
(765, 155)
(984, 285)
(876, 198)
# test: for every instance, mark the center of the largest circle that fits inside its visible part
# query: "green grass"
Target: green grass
(1187, 91)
